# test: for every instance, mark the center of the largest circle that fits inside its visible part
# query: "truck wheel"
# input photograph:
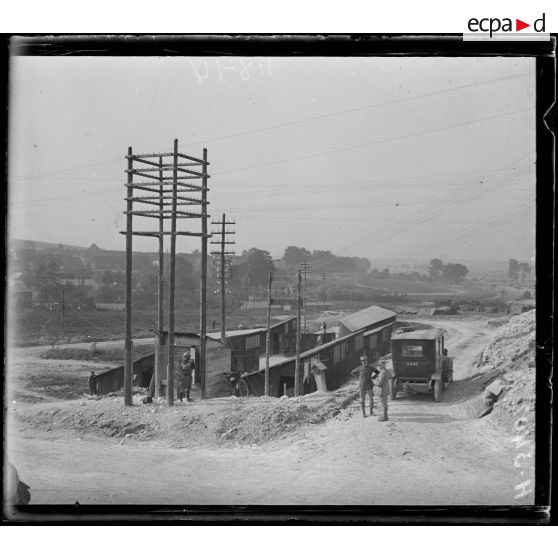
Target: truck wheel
(393, 387)
(438, 390)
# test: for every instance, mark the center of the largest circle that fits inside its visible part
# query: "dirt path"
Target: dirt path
(426, 454)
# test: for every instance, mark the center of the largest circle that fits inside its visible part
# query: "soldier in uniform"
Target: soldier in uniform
(381, 381)
(364, 373)
(92, 384)
(185, 377)
(447, 366)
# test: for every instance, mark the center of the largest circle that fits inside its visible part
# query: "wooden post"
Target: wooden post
(222, 271)
(203, 286)
(63, 317)
(172, 280)
(297, 359)
(247, 297)
(128, 316)
(158, 370)
(268, 337)
(305, 274)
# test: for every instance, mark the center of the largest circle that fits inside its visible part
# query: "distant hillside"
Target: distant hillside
(18, 243)
(52, 247)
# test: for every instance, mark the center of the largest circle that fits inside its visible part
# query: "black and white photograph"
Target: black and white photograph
(271, 280)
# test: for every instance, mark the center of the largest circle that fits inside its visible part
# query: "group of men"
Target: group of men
(370, 377)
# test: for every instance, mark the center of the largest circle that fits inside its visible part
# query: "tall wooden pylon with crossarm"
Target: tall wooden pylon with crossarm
(175, 184)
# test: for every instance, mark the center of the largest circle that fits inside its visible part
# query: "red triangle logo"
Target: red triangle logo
(519, 25)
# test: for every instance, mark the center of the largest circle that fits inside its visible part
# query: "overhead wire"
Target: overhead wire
(370, 143)
(356, 109)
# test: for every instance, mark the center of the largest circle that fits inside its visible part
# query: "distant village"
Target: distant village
(46, 275)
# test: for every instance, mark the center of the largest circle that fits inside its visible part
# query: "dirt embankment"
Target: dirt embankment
(227, 421)
(510, 359)
(503, 387)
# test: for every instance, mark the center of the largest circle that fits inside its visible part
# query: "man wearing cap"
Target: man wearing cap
(364, 374)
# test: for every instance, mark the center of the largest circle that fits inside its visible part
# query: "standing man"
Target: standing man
(364, 374)
(185, 379)
(447, 366)
(381, 380)
(93, 384)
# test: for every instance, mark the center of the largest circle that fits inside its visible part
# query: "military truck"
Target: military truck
(418, 360)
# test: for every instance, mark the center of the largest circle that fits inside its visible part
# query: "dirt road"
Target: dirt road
(426, 454)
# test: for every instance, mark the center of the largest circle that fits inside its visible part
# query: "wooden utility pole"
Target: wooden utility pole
(172, 280)
(128, 295)
(159, 361)
(246, 282)
(268, 337)
(63, 317)
(152, 166)
(305, 267)
(297, 358)
(224, 263)
(203, 281)
(324, 297)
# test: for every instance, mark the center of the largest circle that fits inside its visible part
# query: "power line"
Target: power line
(425, 214)
(98, 163)
(358, 109)
(375, 142)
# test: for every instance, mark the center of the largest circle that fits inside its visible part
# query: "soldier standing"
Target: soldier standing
(185, 378)
(381, 380)
(93, 384)
(364, 373)
(447, 366)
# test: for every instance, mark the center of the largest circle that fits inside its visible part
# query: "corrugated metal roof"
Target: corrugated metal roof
(427, 335)
(366, 318)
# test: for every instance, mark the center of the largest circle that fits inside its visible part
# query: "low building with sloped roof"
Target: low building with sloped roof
(366, 319)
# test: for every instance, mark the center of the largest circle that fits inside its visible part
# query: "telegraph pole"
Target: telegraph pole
(305, 267)
(172, 280)
(246, 283)
(225, 259)
(203, 285)
(164, 190)
(268, 337)
(324, 297)
(128, 299)
(63, 311)
(159, 362)
(297, 358)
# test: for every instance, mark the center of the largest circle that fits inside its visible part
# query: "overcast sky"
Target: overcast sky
(370, 157)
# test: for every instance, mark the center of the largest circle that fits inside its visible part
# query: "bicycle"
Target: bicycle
(237, 385)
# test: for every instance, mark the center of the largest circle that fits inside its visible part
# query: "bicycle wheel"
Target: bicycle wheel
(243, 388)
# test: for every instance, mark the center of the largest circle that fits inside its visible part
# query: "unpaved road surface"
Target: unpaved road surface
(427, 454)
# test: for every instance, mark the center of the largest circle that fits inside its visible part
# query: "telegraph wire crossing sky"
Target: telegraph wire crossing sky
(369, 157)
